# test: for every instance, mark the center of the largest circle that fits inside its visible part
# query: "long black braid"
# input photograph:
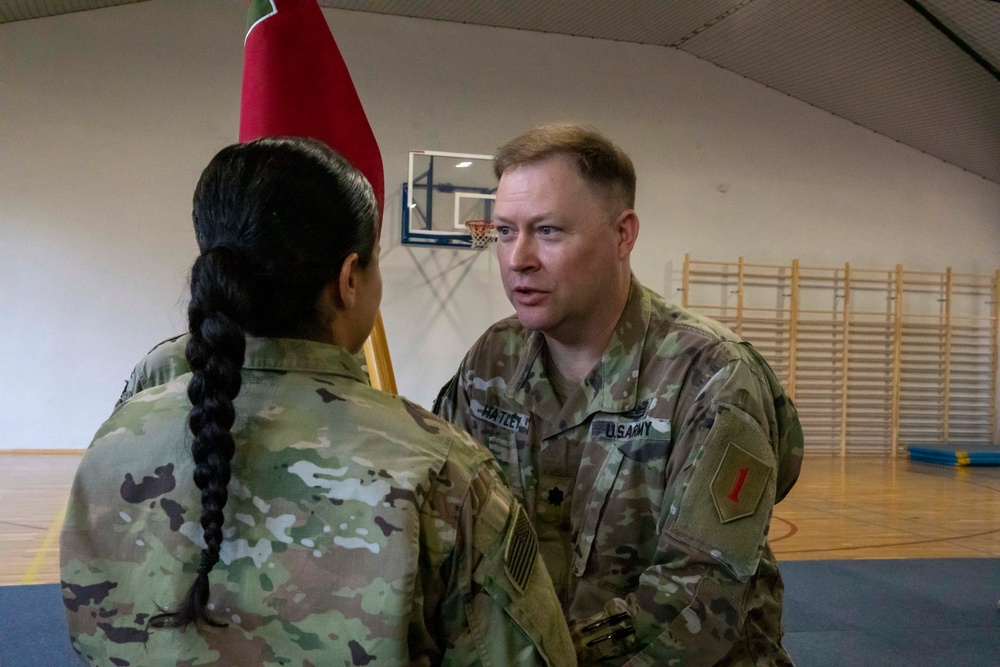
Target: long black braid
(275, 219)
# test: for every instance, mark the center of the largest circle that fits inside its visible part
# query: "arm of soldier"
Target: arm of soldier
(497, 600)
(451, 402)
(162, 364)
(789, 438)
(690, 605)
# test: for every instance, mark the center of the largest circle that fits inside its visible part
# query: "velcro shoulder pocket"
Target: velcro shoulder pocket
(505, 536)
(725, 508)
(515, 579)
(520, 549)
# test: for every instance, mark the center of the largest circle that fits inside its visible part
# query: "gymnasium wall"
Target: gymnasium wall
(107, 117)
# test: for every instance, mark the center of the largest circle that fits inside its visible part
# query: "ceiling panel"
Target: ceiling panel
(21, 10)
(878, 63)
(641, 21)
(977, 22)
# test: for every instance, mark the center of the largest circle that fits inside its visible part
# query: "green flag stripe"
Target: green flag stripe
(259, 10)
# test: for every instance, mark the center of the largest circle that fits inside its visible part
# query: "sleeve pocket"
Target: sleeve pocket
(726, 505)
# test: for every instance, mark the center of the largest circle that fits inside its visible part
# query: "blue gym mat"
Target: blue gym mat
(956, 455)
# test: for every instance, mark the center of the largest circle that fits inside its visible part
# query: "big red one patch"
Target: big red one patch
(739, 483)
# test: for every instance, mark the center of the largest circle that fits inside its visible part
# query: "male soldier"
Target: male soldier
(648, 444)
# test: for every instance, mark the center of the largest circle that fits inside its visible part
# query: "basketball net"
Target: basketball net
(483, 233)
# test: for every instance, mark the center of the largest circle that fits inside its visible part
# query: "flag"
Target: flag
(296, 84)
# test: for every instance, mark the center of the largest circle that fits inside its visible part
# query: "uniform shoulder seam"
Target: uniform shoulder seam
(509, 326)
(163, 342)
(705, 333)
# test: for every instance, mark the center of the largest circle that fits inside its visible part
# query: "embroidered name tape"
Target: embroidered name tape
(619, 427)
(505, 419)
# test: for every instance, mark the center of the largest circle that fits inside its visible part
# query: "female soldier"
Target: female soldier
(270, 508)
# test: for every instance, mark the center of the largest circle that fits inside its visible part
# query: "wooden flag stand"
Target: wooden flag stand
(377, 358)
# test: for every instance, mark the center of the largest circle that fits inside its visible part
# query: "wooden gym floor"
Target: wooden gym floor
(859, 507)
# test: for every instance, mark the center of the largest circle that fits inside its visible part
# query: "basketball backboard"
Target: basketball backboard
(443, 192)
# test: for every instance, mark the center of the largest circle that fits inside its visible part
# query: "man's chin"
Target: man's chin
(533, 321)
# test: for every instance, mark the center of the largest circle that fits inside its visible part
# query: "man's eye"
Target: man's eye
(502, 230)
(546, 230)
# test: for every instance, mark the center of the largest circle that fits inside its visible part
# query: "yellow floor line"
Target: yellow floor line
(51, 535)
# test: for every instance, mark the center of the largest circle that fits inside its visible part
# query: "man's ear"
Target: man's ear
(347, 282)
(627, 231)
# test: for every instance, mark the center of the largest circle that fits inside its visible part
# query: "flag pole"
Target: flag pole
(296, 83)
(378, 360)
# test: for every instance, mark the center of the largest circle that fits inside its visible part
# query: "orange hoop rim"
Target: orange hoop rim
(481, 232)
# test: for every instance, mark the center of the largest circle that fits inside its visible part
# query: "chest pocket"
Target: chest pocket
(618, 531)
(502, 445)
(501, 430)
(645, 441)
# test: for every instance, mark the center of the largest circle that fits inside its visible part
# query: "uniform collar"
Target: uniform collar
(613, 384)
(304, 356)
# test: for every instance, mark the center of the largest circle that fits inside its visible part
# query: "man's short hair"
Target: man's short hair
(599, 160)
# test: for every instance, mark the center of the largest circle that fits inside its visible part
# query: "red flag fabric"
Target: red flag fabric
(296, 83)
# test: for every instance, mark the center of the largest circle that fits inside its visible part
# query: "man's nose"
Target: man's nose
(522, 253)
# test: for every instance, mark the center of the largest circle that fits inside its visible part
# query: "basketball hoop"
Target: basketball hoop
(483, 233)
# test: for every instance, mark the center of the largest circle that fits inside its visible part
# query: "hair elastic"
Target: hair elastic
(208, 561)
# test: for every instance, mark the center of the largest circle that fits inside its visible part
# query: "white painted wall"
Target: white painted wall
(107, 117)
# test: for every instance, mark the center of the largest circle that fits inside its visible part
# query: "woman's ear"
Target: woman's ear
(347, 282)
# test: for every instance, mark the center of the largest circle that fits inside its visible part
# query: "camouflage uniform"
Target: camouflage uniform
(359, 529)
(651, 487)
(162, 364)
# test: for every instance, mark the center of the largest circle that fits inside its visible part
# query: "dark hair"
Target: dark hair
(275, 219)
(599, 160)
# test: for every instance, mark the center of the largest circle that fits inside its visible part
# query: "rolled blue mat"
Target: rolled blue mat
(956, 455)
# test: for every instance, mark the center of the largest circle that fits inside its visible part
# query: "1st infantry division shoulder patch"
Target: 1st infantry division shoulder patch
(739, 483)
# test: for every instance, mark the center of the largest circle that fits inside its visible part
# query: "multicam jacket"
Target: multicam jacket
(360, 529)
(651, 486)
(162, 364)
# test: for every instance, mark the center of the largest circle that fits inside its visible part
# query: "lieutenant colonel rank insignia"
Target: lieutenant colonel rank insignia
(739, 483)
